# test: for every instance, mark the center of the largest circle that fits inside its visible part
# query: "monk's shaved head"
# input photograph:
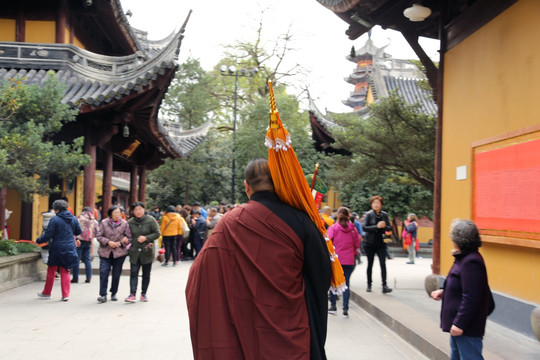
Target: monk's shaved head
(257, 175)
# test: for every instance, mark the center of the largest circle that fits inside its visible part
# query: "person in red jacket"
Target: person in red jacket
(346, 242)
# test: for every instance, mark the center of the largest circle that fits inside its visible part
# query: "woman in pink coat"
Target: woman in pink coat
(346, 242)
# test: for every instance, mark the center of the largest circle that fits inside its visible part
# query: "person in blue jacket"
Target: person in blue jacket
(62, 249)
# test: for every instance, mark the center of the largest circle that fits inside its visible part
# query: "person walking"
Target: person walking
(171, 227)
(259, 286)
(144, 231)
(346, 240)
(198, 227)
(60, 234)
(466, 297)
(89, 227)
(114, 236)
(411, 229)
(375, 225)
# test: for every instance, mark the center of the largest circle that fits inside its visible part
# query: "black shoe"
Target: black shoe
(386, 289)
(102, 299)
(74, 281)
(345, 314)
(368, 288)
(332, 310)
(87, 281)
(114, 298)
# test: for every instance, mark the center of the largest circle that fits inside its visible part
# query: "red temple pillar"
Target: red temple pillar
(3, 198)
(61, 23)
(107, 182)
(89, 193)
(133, 185)
(142, 183)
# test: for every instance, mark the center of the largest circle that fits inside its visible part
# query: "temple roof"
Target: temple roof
(95, 82)
(90, 78)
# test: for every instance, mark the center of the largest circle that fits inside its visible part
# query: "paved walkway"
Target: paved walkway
(32, 328)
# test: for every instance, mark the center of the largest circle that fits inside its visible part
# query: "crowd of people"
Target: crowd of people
(181, 229)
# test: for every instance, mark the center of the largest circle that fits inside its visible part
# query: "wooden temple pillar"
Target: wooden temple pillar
(89, 193)
(142, 183)
(26, 221)
(61, 23)
(133, 185)
(107, 181)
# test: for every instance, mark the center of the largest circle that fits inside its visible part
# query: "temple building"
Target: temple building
(116, 77)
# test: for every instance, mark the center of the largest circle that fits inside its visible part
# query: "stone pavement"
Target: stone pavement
(32, 328)
(412, 314)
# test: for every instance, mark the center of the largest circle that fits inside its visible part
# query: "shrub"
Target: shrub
(10, 247)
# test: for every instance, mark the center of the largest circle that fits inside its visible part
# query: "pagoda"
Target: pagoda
(115, 76)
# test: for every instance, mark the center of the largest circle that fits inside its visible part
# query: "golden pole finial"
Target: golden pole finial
(274, 114)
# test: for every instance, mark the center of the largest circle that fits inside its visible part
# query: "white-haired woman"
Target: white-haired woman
(466, 297)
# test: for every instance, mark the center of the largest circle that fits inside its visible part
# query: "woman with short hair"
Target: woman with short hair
(375, 225)
(114, 235)
(466, 298)
(144, 231)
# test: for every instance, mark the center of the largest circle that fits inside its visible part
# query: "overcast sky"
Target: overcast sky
(318, 37)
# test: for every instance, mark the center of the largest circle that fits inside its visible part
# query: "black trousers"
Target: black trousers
(133, 277)
(105, 265)
(170, 248)
(381, 254)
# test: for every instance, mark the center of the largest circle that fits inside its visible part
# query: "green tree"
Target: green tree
(396, 137)
(190, 99)
(31, 115)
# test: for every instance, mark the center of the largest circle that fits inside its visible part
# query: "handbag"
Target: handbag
(185, 229)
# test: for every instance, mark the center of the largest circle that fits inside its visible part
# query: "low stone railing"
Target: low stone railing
(17, 270)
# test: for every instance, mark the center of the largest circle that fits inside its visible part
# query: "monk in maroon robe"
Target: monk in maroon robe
(258, 289)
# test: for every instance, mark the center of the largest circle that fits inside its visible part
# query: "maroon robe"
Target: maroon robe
(245, 292)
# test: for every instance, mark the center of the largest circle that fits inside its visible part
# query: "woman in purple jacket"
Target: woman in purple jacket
(466, 297)
(113, 237)
(346, 242)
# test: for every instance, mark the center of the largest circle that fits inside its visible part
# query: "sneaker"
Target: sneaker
(332, 310)
(87, 281)
(102, 299)
(144, 298)
(43, 296)
(65, 298)
(114, 298)
(410, 262)
(131, 298)
(164, 264)
(386, 289)
(368, 289)
(345, 314)
(174, 263)
(74, 281)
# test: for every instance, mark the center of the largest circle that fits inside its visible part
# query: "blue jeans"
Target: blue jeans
(84, 255)
(105, 265)
(347, 271)
(465, 348)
